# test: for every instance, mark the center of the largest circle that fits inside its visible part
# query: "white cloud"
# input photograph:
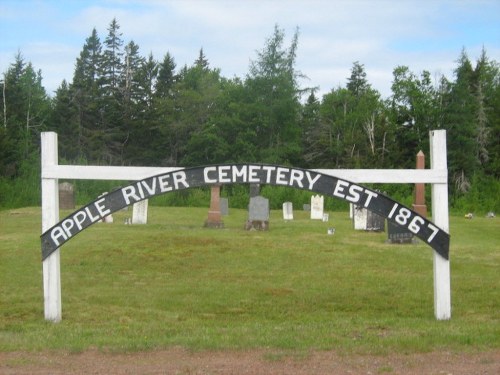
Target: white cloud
(333, 34)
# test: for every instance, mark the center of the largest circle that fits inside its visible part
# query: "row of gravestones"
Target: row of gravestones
(258, 213)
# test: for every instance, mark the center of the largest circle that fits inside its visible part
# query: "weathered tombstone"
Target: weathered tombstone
(326, 217)
(317, 207)
(66, 196)
(258, 214)
(365, 219)
(306, 207)
(287, 211)
(360, 218)
(140, 212)
(398, 234)
(214, 219)
(224, 206)
(375, 222)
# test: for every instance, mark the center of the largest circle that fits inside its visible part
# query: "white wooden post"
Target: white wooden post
(50, 216)
(442, 289)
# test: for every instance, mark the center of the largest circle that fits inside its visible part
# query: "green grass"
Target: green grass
(174, 283)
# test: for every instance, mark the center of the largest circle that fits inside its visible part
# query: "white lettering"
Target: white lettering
(92, 218)
(312, 181)
(241, 173)
(281, 176)
(101, 208)
(269, 169)
(150, 189)
(56, 233)
(164, 184)
(128, 192)
(68, 224)
(339, 188)
(207, 179)
(180, 178)
(297, 177)
(78, 221)
(354, 191)
(252, 174)
(371, 195)
(224, 173)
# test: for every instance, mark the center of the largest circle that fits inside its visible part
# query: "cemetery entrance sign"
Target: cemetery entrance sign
(150, 181)
(329, 186)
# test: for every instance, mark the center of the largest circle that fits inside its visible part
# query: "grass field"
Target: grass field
(174, 283)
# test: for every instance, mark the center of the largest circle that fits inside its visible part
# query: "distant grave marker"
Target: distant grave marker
(288, 211)
(66, 196)
(317, 202)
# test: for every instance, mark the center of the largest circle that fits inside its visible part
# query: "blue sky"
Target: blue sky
(423, 34)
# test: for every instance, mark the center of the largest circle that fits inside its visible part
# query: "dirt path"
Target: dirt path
(181, 362)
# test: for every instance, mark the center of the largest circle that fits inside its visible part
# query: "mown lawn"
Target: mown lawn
(174, 283)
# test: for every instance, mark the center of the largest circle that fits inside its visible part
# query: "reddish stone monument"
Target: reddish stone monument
(419, 193)
(214, 219)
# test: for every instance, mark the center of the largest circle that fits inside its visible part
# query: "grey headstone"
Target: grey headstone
(258, 214)
(258, 209)
(306, 207)
(398, 234)
(224, 206)
(375, 222)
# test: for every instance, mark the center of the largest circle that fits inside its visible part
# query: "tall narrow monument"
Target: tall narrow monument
(419, 193)
(214, 219)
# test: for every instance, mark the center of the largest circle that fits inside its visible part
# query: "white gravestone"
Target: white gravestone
(360, 216)
(287, 211)
(317, 207)
(140, 212)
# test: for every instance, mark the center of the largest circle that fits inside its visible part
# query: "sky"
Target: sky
(333, 34)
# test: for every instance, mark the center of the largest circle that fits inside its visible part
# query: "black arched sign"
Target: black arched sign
(326, 185)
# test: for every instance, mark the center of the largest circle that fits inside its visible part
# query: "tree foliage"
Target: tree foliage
(123, 108)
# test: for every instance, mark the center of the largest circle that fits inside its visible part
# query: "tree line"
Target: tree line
(123, 108)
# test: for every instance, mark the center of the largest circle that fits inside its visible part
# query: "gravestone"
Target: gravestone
(287, 211)
(398, 234)
(375, 222)
(317, 207)
(365, 219)
(214, 219)
(140, 212)
(326, 217)
(224, 206)
(258, 214)
(359, 216)
(66, 196)
(419, 205)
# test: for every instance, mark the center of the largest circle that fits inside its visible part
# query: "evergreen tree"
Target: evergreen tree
(274, 93)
